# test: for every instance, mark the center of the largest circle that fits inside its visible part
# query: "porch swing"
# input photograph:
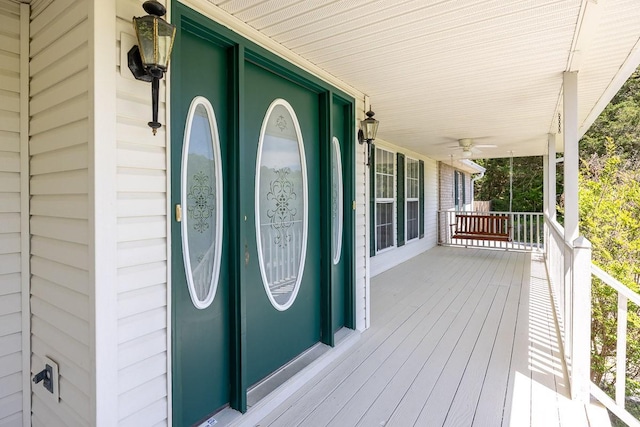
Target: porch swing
(491, 227)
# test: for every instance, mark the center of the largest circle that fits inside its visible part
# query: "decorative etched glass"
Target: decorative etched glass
(201, 200)
(336, 200)
(281, 204)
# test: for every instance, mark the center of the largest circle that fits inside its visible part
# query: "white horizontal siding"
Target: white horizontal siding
(11, 378)
(392, 257)
(143, 354)
(60, 137)
(60, 242)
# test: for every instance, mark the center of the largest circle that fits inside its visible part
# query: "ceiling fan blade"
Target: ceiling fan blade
(486, 145)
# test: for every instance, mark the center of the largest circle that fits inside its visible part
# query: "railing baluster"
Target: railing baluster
(621, 351)
(525, 229)
(270, 246)
(530, 239)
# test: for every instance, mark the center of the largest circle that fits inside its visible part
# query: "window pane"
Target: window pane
(412, 178)
(385, 188)
(336, 200)
(384, 225)
(412, 219)
(202, 198)
(388, 190)
(282, 200)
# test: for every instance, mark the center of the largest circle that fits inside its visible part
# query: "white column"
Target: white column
(580, 349)
(103, 213)
(545, 184)
(550, 177)
(570, 102)
(25, 240)
(579, 272)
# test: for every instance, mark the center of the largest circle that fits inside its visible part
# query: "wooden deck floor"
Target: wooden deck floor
(458, 337)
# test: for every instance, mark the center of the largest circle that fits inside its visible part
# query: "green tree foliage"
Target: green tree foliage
(609, 218)
(527, 184)
(620, 121)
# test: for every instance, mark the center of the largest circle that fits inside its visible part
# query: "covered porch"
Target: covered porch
(90, 213)
(458, 337)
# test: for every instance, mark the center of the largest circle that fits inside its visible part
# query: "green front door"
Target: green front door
(341, 215)
(282, 275)
(254, 282)
(200, 250)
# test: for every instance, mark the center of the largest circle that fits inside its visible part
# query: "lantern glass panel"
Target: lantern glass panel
(166, 32)
(145, 30)
(370, 128)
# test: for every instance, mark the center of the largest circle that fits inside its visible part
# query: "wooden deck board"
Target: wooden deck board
(390, 320)
(353, 378)
(544, 406)
(464, 326)
(517, 411)
(389, 398)
(435, 326)
(459, 337)
(463, 404)
(490, 405)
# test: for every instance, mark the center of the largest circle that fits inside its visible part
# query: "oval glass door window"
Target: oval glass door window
(336, 200)
(201, 199)
(281, 204)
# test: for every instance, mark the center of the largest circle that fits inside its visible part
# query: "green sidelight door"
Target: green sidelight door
(200, 271)
(282, 277)
(341, 215)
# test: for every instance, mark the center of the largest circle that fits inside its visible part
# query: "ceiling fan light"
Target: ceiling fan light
(465, 142)
(467, 154)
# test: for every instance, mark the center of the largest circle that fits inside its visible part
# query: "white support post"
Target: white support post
(570, 107)
(545, 184)
(550, 200)
(103, 295)
(25, 210)
(570, 134)
(580, 349)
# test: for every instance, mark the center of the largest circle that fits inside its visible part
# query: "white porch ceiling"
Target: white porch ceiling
(438, 71)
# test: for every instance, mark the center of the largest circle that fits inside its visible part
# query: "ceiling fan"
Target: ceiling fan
(469, 148)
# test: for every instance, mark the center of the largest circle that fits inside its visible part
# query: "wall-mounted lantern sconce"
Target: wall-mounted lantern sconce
(368, 131)
(148, 60)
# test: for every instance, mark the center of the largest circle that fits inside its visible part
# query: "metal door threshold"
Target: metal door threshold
(269, 393)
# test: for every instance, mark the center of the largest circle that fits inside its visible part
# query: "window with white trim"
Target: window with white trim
(385, 200)
(412, 200)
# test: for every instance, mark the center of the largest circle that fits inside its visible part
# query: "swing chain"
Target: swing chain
(559, 123)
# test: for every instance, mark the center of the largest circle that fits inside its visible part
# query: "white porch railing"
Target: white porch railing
(569, 269)
(570, 273)
(526, 231)
(559, 257)
(281, 256)
(625, 295)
